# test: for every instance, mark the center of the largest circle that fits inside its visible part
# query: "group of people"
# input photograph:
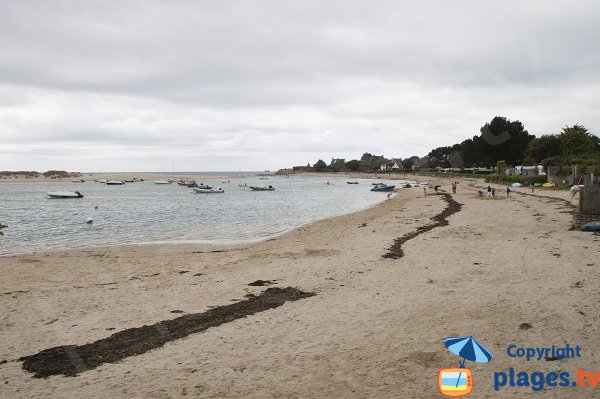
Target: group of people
(491, 192)
(437, 187)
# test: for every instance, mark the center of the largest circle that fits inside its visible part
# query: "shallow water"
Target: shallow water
(144, 212)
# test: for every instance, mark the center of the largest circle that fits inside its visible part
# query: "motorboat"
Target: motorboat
(199, 190)
(115, 183)
(383, 187)
(64, 194)
(352, 182)
(257, 188)
(162, 182)
(188, 183)
(78, 181)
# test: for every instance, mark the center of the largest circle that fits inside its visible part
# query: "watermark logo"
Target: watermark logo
(455, 382)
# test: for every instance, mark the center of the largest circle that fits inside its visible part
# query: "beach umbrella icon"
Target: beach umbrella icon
(469, 349)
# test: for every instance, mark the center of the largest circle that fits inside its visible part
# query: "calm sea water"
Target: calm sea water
(144, 212)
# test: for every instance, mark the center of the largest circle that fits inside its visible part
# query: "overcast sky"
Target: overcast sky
(252, 85)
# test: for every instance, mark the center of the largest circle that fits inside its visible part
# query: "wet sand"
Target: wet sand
(507, 271)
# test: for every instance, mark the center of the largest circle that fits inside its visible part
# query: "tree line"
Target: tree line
(500, 140)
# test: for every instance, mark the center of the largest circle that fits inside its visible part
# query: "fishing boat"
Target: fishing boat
(383, 187)
(199, 190)
(64, 194)
(115, 183)
(257, 188)
(162, 182)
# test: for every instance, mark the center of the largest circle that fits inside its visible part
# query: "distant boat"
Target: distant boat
(102, 181)
(256, 188)
(64, 194)
(115, 183)
(383, 187)
(208, 190)
(352, 182)
(188, 183)
(78, 181)
(161, 182)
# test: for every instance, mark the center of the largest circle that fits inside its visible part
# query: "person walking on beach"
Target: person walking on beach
(425, 191)
(532, 188)
(507, 192)
(493, 193)
(489, 192)
(453, 187)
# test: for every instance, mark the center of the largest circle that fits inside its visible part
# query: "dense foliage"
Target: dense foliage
(501, 143)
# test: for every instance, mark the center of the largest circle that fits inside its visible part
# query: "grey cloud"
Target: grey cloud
(393, 77)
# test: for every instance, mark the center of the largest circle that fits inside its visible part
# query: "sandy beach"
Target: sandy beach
(505, 270)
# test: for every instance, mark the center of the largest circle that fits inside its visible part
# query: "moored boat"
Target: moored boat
(208, 190)
(161, 182)
(64, 194)
(258, 188)
(115, 183)
(383, 187)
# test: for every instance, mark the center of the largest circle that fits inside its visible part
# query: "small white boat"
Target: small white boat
(78, 181)
(162, 182)
(115, 183)
(64, 194)
(208, 190)
(256, 188)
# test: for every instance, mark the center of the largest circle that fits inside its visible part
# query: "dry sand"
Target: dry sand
(375, 327)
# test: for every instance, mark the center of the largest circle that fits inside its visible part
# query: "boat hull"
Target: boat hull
(64, 194)
(207, 191)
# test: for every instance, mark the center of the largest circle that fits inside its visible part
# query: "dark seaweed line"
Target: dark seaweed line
(70, 360)
(440, 220)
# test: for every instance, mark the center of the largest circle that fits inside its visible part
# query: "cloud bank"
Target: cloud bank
(252, 85)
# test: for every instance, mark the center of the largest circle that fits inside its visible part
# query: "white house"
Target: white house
(526, 171)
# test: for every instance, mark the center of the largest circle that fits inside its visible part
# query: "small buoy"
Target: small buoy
(89, 221)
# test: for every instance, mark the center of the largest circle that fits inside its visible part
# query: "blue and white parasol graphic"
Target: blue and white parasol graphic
(469, 349)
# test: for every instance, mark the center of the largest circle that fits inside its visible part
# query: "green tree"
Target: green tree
(320, 166)
(577, 140)
(506, 140)
(337, 166)
(545, 146)
(409, 162)
(353, 165)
